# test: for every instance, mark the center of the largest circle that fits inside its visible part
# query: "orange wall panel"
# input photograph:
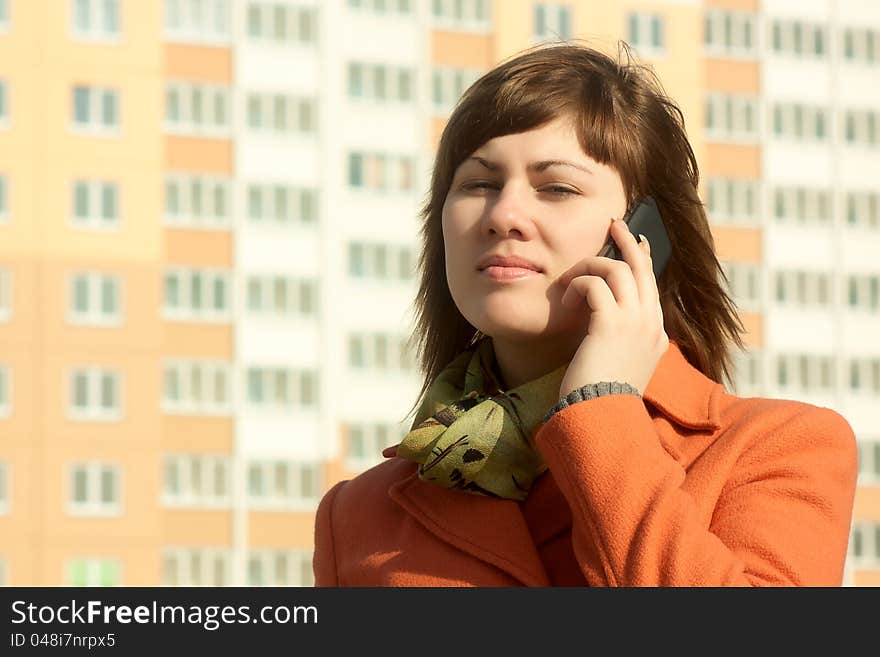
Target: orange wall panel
(198, 248)
(733, 160)
(196, 527)
(194, 340)
(866, 578)
(281, 529)
(740, 244)
(190, 434)
(203, 63)
(197, 154)
(754, 325)
(738, 5)
(461, 50)
(731, 76)
(867, 503)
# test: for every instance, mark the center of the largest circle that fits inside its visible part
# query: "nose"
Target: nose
(510, 210)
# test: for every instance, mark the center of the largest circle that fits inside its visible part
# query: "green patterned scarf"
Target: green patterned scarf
(470, 435)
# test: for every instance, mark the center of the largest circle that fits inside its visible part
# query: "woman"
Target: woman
(572, 428)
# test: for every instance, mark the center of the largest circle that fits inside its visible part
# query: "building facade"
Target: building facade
(208, 243)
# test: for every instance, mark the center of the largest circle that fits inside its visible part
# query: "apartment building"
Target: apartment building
(208, 238)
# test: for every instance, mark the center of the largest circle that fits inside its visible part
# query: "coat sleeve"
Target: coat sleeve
(324, 556)
(782, 516)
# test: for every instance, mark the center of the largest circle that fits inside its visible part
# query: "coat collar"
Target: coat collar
(683, 393)
(677, 390)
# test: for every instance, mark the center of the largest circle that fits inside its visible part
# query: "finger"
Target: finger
(593, 289)
(638, 259)
(618, 276)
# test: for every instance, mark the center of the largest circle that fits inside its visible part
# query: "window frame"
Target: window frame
(94, 412)
(93, 506)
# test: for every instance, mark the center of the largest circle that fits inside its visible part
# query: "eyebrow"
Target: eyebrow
(543, 165)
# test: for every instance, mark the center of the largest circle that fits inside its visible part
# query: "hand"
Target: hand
(625, 338)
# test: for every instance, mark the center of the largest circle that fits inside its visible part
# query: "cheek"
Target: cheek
(580, 244)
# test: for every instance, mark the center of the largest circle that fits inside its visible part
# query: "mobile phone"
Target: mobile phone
(644, 217)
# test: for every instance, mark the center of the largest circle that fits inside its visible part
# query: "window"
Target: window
(94, 489)
(380, 82)
(197, 387)
(5, 295)
(205, 21)
(4, 15)
(197, 109)
(95, 19)
(279, 113)
(280, 24)
(806, 373)
(731, 117)
(733, 201)
(458, 14)
(95, 110)
(4, 105)
(283, 483)
(803, 123)
(194, 201)
(448, 86)
(94, 394)
(864, 292)
(729, 33)
(748, 378)
(280, 568)
(797, 288)
(863, 209)
(798, 39)
(801, 205)
(5, 391)
(864, 376)
(4, 199)
(864, 544)
(281, 387)
(646, 33)
(4, 485)
(94, 299)
(366, 442)
(281, 204)
(744, 284)
(380, 172)
(869, 461)
(94, 204)
(93, 572)
(862, 127)
(860, 45)
(196, 567)
(380, 261)
(197, 295)
(280, 295)
(379, 352)
(552, 21)
(196, 480)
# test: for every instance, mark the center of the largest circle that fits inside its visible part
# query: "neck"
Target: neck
(521, 361)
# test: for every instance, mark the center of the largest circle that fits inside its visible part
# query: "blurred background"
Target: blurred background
(209, 230)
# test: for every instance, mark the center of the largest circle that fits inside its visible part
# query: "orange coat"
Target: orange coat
(687, 486)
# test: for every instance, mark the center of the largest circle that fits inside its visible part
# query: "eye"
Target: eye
(477, 185)
(554, 189)
(557, 189)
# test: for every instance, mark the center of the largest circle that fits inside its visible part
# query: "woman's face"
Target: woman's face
(552, 216)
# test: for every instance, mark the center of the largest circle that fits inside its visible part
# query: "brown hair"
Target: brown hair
(625, 120)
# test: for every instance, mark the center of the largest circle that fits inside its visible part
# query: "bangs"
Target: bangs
(529, 96)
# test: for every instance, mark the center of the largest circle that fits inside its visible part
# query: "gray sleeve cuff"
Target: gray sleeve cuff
(590, 391)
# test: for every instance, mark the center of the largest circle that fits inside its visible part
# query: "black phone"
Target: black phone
(644, 217)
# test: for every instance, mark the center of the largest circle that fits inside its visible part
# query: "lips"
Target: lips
(507, 261)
